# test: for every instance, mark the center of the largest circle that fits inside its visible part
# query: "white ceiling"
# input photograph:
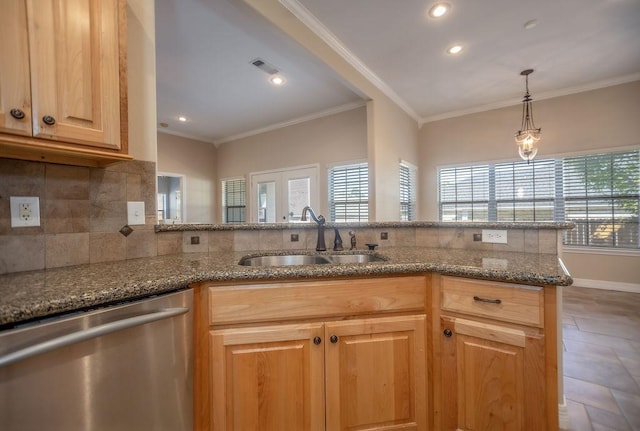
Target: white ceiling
(204, 49)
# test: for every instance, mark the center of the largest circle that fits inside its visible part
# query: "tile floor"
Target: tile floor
(602, 359)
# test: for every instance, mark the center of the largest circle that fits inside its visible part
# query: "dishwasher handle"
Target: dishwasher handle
(86, 334)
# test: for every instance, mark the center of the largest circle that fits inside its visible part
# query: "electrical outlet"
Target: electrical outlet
(25, 211)
(494, 236)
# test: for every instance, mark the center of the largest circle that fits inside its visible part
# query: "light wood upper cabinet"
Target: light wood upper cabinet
(67, 75)
(15, 91)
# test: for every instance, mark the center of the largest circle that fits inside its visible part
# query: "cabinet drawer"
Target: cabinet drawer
(314, 299)
(500, 301)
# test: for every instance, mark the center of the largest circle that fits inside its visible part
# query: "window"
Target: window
(349, 192)
(407, 192)
(233, 200)
(464, 193)
(599, 193)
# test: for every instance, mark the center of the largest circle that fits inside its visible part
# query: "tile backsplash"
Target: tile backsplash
(81, 213)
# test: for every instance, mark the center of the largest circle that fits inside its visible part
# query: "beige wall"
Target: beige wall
(141, 68)
(601, 119)
(197, 162)
(395, 138)
(392, 133)
(333, 139)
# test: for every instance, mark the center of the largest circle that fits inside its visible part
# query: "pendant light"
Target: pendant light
(528, 136)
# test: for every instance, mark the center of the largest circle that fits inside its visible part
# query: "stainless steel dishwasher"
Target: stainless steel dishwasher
(123, 367)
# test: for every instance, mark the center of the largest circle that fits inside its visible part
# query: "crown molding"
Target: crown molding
(184, 135)
(539, 96)
(310, 20)
(314, 116)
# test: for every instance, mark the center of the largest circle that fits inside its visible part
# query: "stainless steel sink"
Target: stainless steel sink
(309, 259)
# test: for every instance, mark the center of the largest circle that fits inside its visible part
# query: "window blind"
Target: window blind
(233, 200)
(349, 192)
(464, 193)
(600, 193)
(407, 192)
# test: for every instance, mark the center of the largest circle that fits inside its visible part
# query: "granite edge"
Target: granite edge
(185, 227)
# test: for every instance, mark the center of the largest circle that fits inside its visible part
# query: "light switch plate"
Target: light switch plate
(25, 211)
(135, 213)
(494, 236)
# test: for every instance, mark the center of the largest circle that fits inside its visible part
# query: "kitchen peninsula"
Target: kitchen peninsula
(454, 314)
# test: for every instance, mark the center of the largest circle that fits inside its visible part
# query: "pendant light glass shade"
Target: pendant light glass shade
(528, 136)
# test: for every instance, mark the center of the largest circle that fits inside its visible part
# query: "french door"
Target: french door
(280, 196)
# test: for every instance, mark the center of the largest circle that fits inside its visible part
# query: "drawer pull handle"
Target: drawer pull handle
(491, 301)
(333, 339)
(447, 333)
(48, 120)
(317, 340)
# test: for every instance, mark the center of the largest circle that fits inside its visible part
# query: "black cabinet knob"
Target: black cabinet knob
(447, 333)
(317, 340)
(18, 114)
(333, 339)
(48, 120)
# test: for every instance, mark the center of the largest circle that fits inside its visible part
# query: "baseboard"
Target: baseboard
(563, 415)
(607, 285)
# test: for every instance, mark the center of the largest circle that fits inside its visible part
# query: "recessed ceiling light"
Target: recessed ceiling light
(164, 124)
(182, 119)
(439, 9)
(530, 24)
(454, 49)
(276, 80)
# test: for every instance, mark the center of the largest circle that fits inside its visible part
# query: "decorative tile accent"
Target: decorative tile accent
(202, 245)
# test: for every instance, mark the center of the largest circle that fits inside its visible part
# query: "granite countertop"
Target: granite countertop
(32, 295)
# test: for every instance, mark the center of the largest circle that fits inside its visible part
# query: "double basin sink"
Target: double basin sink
(309, 259)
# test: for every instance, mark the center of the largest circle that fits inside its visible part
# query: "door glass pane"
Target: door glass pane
(299, 194)
(170, 198)
(267, 202)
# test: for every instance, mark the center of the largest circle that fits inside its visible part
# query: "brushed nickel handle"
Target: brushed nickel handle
(491, 301)
(86, 334)
(48, 120)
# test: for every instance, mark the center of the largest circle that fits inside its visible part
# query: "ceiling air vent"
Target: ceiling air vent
(264, 66)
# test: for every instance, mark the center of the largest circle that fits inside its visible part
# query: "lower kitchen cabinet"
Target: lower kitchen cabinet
(495, 366)
(376, 374)
(359, 374)
(493, 377)
(312, 355)
(268, 378)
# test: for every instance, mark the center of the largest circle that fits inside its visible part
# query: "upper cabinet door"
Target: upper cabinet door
(74, 59)
(15, 95)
